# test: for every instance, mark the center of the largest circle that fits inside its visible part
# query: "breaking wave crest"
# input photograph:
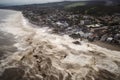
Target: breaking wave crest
(45, 56)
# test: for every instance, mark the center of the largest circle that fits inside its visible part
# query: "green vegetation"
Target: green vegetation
(76, 4)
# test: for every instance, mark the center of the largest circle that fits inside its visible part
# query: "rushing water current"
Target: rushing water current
(34, 53)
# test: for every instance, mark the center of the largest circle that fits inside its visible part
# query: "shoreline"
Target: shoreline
(106, 45)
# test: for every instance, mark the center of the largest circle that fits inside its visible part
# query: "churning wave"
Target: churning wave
(41, 55)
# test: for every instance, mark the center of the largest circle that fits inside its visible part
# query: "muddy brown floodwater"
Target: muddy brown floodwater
(41, 55)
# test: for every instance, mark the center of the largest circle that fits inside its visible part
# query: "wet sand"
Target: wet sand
(107, 45)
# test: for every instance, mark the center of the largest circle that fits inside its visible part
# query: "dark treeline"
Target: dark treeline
(96, 10)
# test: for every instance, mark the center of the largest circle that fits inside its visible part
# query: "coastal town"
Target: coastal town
(105, 28)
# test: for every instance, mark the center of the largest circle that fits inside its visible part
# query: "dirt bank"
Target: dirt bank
(108, 46)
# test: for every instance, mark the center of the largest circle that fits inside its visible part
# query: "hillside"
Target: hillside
(59, 4)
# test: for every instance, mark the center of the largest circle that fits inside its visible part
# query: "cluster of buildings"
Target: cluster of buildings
(105, 28)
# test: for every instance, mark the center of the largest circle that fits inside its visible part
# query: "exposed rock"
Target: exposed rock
(77, 42)
(75, 36)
